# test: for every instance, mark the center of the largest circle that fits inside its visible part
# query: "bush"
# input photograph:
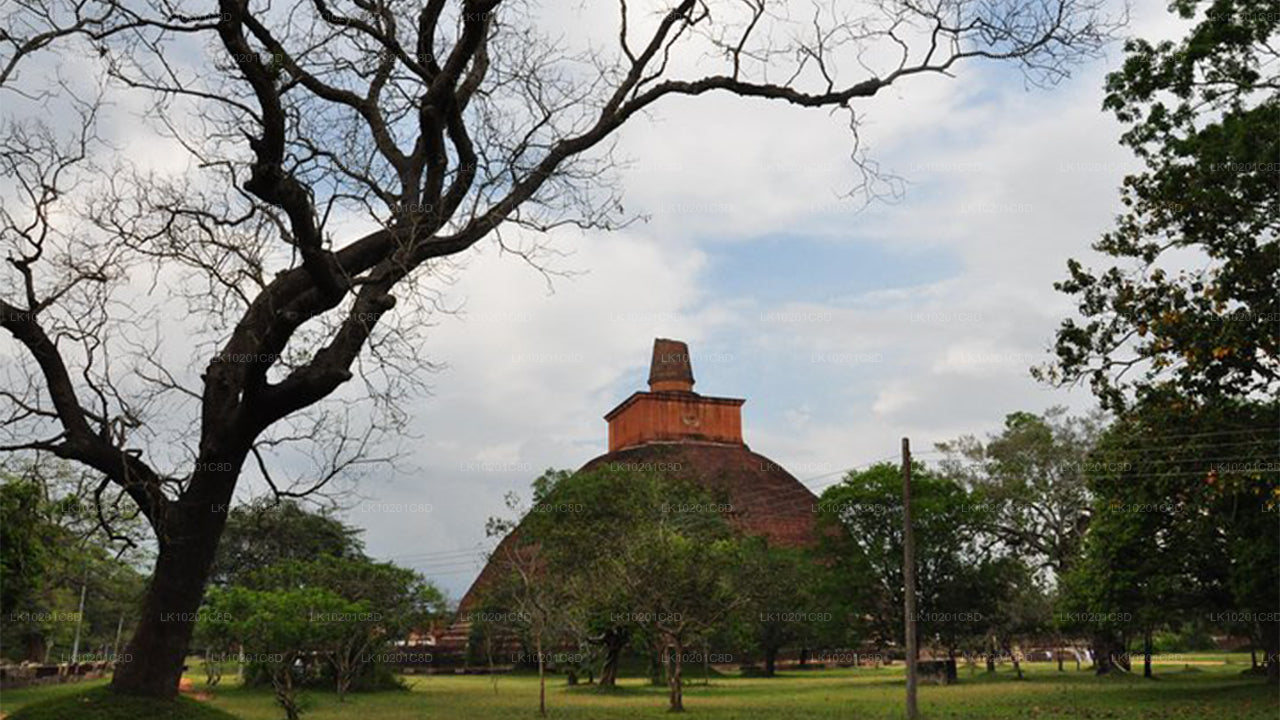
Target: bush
(370, 677)
(319, 675)
(103, 704)
(1190, 638)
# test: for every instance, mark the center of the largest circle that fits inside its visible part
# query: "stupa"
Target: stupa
(671, 429)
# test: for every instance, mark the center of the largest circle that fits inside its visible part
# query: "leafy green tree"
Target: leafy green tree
(283, 546)
(776, 609)
(217, 643)
(385, 602)
(1130, 580)
(678, 583)
(52, 549)
(27, 549)
(860, 525)
(1185, 525)
(1180, 336)
(577, 519)
(265, 532)
(1031, 479)
(1202, 114)
(280, 629)
(633, 553)
(1014, 607)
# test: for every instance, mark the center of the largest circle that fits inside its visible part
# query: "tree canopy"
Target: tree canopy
(1191, 306)
(1031, 478)
(961, 577)
(265, 532)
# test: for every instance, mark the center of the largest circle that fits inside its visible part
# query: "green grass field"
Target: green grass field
(1211, 691)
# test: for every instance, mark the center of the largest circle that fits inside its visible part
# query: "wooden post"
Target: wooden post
(909, 578)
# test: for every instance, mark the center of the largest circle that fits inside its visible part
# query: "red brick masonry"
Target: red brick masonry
(674, 416)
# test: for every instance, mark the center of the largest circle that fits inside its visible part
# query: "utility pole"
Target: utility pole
(75, 647)
(115, 649)
(909, 578)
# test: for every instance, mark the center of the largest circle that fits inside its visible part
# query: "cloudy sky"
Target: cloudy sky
(844, 328)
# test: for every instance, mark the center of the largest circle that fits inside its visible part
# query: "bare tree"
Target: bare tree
(536, 612)
(536, 605)
(338, 153)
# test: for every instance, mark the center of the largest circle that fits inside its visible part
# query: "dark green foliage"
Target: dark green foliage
(354, 609)
(265, 532)
(961, 577)
(400, 596)
(1203, 115)
(777, 603)
(27, 549)
(284, 631)
(1185, 528)
(49, 549)
(349, 608)
(1180, 337)
(623, 553)
(584, 524)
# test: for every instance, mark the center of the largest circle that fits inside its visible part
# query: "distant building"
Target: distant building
(671, 429)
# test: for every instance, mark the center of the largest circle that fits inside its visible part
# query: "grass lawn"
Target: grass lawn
(1205, 691)
(11, 700)
(94, 701)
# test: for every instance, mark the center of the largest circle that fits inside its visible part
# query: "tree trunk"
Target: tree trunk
(344, 684)
(36, 649)
(673, 677)
(542, 678)
(488, 653)
(614, 643)
(804, 656)
(156, 652)
(1146, 654)
(283, 684)
(770, 660)
(1014, 654)
(991, 656)
(212, 667)
(1102, 660)
(1271, 650)
(666, 664)
(609, 673)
